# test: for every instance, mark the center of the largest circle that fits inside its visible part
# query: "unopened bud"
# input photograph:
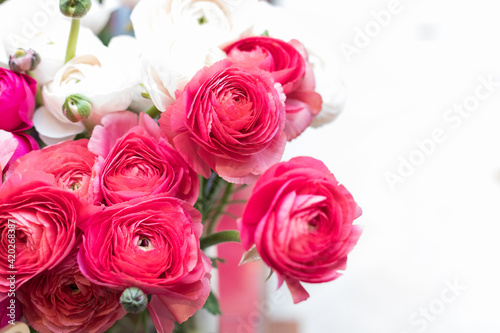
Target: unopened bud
(77, 107)
(134, 300)
(23, 60)
(75, 8)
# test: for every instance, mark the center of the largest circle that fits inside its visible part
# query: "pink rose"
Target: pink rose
(63, 300)
(228, 119)
(300, 220)
(135, 160)
(17, 100)
(69, 162)
(151, 243)
(289, 65)
(37, 226)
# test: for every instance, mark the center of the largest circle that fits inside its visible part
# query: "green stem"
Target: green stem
(145, 321)
(220, 208)
(220, 237)
(153, 112)
(72, 40)
(38, 96)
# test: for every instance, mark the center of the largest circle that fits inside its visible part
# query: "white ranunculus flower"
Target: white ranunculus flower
(102, 78)
(280, 23)
(208, 22)
(128, 49)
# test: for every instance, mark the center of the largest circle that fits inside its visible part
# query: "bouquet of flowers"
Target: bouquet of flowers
(118, 160)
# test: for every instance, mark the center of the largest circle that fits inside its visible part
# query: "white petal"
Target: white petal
(52, 130)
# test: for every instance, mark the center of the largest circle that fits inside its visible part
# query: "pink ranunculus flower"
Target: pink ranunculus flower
(63, 300)
(289, 65)
(151, 243)
(17, 100)
(43, 218)
(136, 160)
(69, 162)
(229, 119)
(300, 220)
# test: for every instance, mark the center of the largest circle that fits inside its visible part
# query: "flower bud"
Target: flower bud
(23, 60)
(75, 8)
(134, 300)
(77, 107)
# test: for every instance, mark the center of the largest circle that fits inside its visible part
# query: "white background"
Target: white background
(442, 223)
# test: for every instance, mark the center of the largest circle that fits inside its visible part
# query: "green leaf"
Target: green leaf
(212, 305)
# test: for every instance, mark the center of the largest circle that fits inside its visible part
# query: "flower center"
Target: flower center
(72, 288)
(202, 20)
(75, 186)
(144, 244)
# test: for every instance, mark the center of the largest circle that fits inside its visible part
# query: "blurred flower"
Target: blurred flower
(212, 23)
(300, 220)
(135, 160)
(63, 300)
(151, 243)
(99, 14)
(230, 120)
(17, 100)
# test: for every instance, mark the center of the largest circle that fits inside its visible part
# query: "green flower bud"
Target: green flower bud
(134, 300)
(23, 60)
(75, 8)
(77, 107)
